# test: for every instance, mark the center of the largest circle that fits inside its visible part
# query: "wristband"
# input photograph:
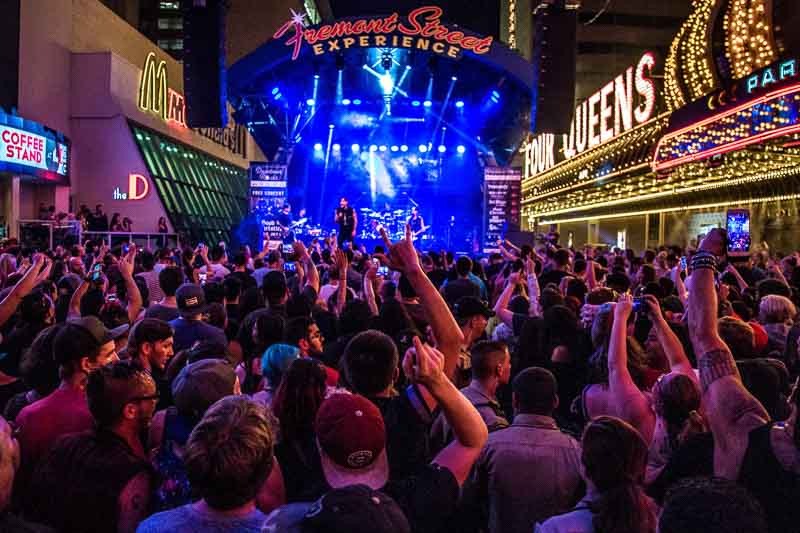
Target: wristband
(419, 405)
(704, 260)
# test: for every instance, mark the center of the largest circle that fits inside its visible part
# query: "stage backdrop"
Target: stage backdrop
(267, 194)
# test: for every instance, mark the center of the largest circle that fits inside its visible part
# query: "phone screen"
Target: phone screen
(289, 267)
(683, 263)
(202, 276)
(383, 271)
(738, 225)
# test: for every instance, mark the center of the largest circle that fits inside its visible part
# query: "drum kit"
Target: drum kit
(393, 221)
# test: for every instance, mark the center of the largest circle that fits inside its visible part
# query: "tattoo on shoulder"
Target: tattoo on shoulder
(714, 365)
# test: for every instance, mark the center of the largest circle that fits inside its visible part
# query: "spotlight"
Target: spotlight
(423, 148)
(427, 103)
(275, 91)
(442, 149)
(461, 149)
(382, 148)
(454, 78)
(355, 148)
(346, 101)
(460, 104)
(316, 76)
(495, 97)
(318, 147)
(356, 102)
(331, 126)
(395, 148)
(416, 103)
(310, 102)
(337, 147)
(404, 148)
(373, 148)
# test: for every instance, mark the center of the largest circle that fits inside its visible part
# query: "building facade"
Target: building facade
(723, 136)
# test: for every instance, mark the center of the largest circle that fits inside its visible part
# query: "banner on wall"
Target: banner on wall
(267, 195)
(32, 154)
(502, 194)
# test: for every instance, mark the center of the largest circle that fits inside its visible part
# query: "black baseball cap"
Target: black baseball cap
(355, 509)
(98, 330)
(191, 299)
(469, 306)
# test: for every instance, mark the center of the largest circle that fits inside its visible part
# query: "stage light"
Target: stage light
(373, 148)
(331, 126)
(460, 104)
(442, 149)
(461, 149)
(387, 83)
(427, 103)
(454, 78)
(423, 148)
(337, 147)
(318, 147)
(404, 148)
(346, 101)
(310, 102)
(495, 97)
(395, 148)
(316, 76)
(416, 103)
(382, 148)
(355, 148)
(356, 102)
(275, 91)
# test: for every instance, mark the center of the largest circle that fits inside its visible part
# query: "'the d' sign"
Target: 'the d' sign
(138, 187)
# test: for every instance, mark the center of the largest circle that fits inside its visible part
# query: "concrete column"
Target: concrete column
(646, 232)
(593, 231)
(662, 219)
(12, 206)
(61, 199)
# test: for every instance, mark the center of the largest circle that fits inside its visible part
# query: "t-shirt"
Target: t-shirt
(187, 519)
(259, 274)
(407, 441)
(153, 288)
(428, 498)
(187, 332)
(162, 312)
(217, 270)
(551, 276)
(247, 280)
(459, 288)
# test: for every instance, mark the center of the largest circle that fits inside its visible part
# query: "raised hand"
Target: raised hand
(401, 256)
(341, 263)
(624, 307)
(653, 307)
(300, 250)
(715, 242)
(423, 364)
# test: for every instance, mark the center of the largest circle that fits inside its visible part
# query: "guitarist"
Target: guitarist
(284, 220)
(416, 223)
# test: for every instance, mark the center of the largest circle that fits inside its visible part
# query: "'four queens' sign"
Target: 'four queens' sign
(422, 29)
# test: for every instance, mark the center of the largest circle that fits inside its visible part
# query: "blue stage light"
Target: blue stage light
(346, 101)
(454, 78)
(395, 148)
(275, 91)
(318, 147)
(310, 102)
(461, 149)
(423, 148)
(427, 103)
(460, 104)
(355, 148)
(442, 149)
(495, 97)
(373, 148)
(356, 102)
(382, 148)
(337, 147)
(416, 103)
(404, 148)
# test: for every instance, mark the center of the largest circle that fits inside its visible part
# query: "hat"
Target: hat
(98, 330)
(199, 385)
(352, 441)
(356, 509)
(469, 306)
(69, 283)
(191, 299)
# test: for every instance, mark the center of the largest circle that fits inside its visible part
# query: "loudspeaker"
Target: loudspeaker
(204, 82)
(555, 51)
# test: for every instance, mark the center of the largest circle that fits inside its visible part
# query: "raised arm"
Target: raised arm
(340, 260)
(403, 258)
(125, 264)
(501, 307)
(369, 288)
(630, 403)
(591, 275)
(425, 368)
(534, 291)
(740, 282)
(677, 279)
(312, 275)
(673, 349)
(37, 273)
(732, 411)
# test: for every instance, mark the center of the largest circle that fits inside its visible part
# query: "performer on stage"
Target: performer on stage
(347, 219)
(284, 220)
(417, 223)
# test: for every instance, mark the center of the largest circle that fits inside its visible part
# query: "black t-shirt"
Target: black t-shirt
(455, 290)
(551, 276)
(407, 441)
(245, 278)
(346, 219)
(694, 458)
(437, 277)
(428, 498)
(302, 469)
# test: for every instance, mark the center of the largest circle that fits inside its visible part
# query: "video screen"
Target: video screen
(738, 231)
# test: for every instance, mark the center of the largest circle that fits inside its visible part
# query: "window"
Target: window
(170, 44)
(172, 23)
(169, 5)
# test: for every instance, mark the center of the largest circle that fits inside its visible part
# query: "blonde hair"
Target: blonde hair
(775, 309)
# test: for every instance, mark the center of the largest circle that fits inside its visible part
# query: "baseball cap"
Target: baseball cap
(69, 283)
(469, 306)
(352, 439)
(355, 509)
(98, 330)
(191, 299)
(199, 385)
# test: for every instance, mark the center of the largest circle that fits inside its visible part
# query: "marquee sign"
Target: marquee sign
(157, 97)
(613, 110)
(32, 152)
(422, 29)
(540, 154)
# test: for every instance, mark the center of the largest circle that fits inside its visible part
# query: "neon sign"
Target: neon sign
(134, 192)
(422, 30)
(155, 95)
(775, 114)
(540, 154)
(30, 153)
(612, 110)
(772, 75)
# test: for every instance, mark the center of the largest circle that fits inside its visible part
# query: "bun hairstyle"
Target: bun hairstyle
(614, 457)
(676, 399)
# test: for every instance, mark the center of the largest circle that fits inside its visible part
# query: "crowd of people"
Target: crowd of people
(539, 389)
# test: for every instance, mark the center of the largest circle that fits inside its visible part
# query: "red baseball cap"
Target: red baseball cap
(352, 439)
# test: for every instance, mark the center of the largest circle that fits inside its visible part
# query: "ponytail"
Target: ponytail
(623, 509)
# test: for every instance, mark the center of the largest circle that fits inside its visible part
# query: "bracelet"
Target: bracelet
(704, 260)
